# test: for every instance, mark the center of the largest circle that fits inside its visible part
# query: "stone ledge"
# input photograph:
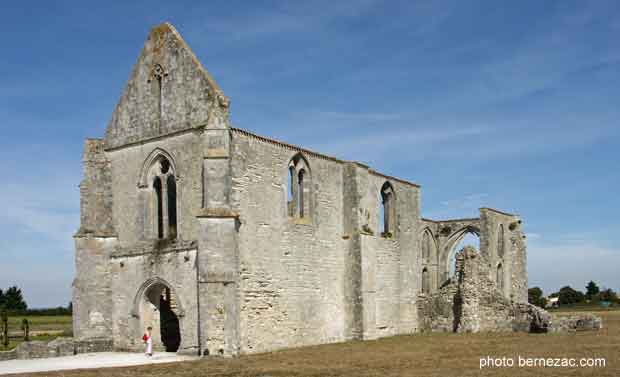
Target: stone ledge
(58, 347)
(218, 213)
(8, 355)
(85, 233)
(163, 246)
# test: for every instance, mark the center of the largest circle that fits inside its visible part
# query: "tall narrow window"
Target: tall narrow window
(387, 201)
(162, 211)
(157, 187)
(299, 194)
(425, 281)
(500, 277)
(300, 190)
(425, 246)
(500, 241)
(172, 206)
(156, 80)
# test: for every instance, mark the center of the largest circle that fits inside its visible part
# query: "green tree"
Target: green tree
(535, 297)
(14, 299)
(2, 298)
(592, 290)
(569, 295)
(4, 320)
(608, 295)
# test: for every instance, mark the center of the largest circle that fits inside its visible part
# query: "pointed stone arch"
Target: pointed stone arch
(156, 305)
(299, 184)
(388, 209)
(451, 242)
(499, 278)
(159, 195)
(429, 241)
(156, 155)
(144, 287)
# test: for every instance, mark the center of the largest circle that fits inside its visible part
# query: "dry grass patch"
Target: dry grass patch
(417, 355)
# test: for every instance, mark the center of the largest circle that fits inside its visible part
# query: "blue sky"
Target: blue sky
(512, 105)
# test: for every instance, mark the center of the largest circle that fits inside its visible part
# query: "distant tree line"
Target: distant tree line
(568, 296)
(12, 301)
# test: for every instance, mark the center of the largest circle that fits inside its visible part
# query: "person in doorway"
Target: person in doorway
(148, 341)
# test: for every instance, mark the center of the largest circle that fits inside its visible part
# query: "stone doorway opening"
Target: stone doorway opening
(158, 309)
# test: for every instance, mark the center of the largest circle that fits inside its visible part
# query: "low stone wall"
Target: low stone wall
(37, 349)
(94, 345)
(8, 355)
(580, 322)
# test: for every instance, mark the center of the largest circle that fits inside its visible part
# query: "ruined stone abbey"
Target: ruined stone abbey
(227, 242)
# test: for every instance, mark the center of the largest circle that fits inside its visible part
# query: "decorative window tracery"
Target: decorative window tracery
(299, 195)
(162, 184)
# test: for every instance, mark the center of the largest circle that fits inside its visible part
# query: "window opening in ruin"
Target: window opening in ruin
(172, 206)
(386, 210)
(156, 81)
(500, 277)
(157, 187)
(425, 281)
(469, 239)
(291, 182)
(299, 188)
(300, 191)
(500, 241)
(164, 209)
(426, 247)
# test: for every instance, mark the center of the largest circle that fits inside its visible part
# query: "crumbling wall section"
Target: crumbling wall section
(95, 239)
(503, 243)
(471, 301)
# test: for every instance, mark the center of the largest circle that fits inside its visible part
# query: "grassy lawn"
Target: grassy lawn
(41, 328)
(417, 355)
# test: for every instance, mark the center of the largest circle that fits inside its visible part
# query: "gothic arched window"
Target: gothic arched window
(500, 241)
(500, 277)
(388, 208)
(159, 207)
(425, 281)
(163, 187)
(426, 246)
(299, 192)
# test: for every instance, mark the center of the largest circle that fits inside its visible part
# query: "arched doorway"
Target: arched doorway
(158, 309)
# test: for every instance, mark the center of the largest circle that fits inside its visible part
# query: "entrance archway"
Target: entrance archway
(157, 308)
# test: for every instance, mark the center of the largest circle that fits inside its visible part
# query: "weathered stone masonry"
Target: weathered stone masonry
(226, 242)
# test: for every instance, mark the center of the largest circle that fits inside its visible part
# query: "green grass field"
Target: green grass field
(41, 328)
(428, 354)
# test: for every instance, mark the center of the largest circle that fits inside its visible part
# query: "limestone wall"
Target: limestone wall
(133, 193)
(168, 91)
(472, 302)
(292, 270)
(132, 270)
(299, 275)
